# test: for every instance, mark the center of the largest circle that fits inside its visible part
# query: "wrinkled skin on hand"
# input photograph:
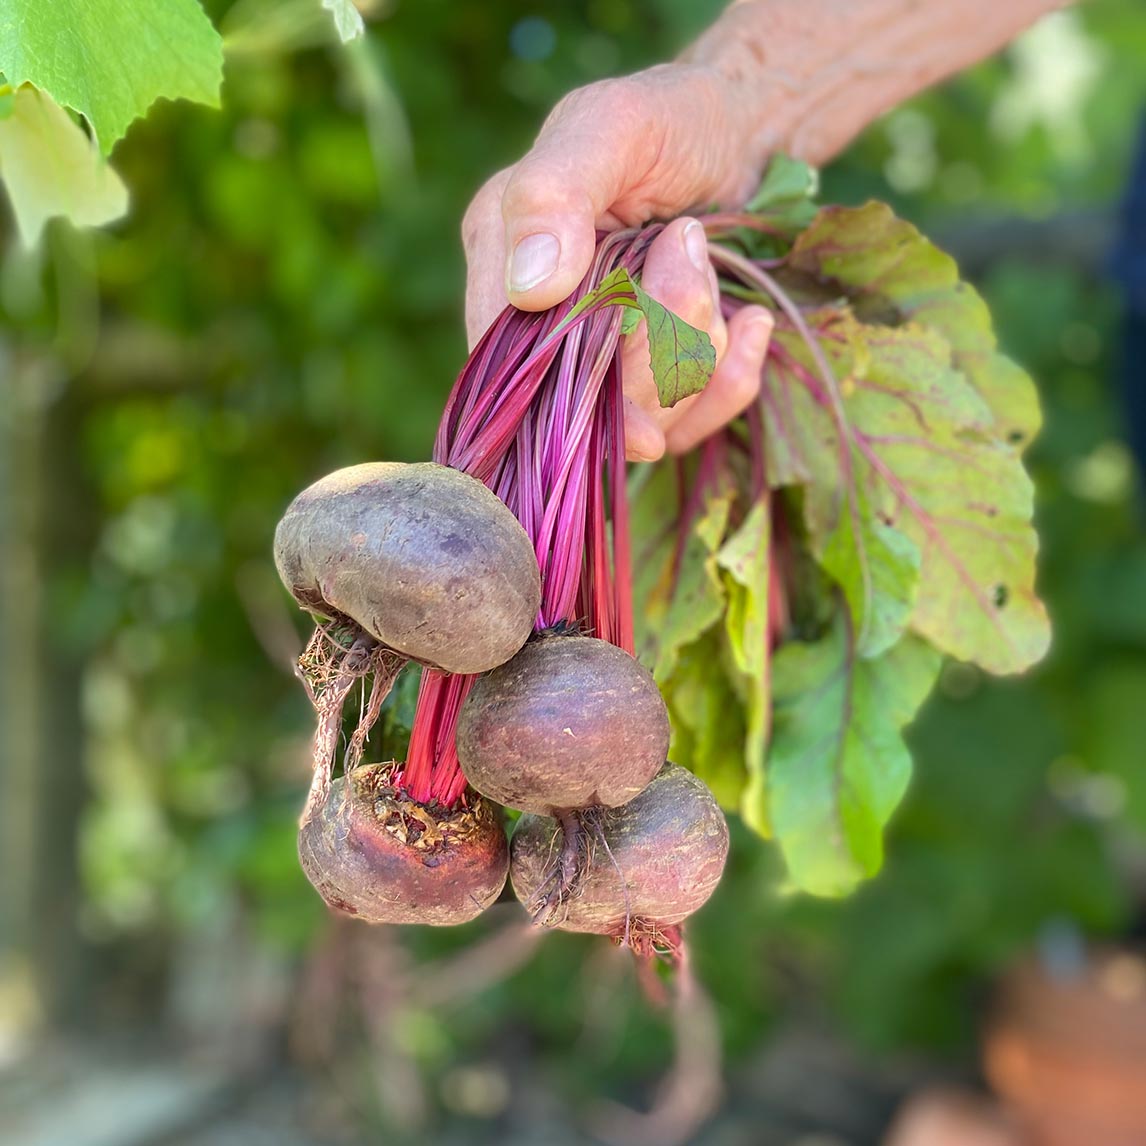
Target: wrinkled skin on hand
(616, 154)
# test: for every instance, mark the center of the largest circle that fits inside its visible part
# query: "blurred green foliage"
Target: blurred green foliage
(286, 297)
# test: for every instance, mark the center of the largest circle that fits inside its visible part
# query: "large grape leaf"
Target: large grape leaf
(837, 763)
(50, 168)
(110, 60)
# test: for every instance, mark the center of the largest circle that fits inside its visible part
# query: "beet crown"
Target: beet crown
(384, 858)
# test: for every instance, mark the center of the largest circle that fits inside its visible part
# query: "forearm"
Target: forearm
(812, 74)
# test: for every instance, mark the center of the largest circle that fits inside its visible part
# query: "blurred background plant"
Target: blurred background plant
(285, 298)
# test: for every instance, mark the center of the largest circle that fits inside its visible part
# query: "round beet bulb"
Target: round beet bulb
(387, 859)
(423, 557)
(646, 866)
(570, 722)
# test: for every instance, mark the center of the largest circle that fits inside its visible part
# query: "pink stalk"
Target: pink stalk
(536, 414)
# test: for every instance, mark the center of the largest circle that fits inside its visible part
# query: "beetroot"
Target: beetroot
(645, 867)
(570, 722)
(385, 858)
(425, 559)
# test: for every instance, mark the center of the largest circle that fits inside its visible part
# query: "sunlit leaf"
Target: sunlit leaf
(347, 19)
(110, 60)
(906, 432)
(50, 168)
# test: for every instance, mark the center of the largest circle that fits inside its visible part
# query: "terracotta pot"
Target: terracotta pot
(1067, 1053)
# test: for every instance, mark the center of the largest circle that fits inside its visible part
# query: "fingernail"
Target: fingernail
(696, 246)
(534, 260)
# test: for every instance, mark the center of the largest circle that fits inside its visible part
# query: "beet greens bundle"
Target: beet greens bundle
(796, 581)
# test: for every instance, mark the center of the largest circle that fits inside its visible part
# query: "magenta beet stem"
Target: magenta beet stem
(537, 415)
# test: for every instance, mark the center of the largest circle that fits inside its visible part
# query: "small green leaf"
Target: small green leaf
(785, 180)
(347, 19)
(787, 193)
(682, 358)
(837, 763)
(51, 168)
(744, 558)
(630, 320)
(109, 60)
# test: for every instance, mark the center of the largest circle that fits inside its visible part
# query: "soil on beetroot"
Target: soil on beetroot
(426, 559)
(570, 722)
(642, 868)
(378, 855)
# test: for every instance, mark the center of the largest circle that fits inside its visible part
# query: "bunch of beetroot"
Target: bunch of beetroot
(503, 569)
(800, 578)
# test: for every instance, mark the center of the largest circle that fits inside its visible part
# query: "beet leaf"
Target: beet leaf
(837, 763)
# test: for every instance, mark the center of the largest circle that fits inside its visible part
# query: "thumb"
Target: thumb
(555, 197)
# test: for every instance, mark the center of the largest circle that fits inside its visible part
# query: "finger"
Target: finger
(599, 142)
(678, 274)
(644, 439)
(733, 387)
(483, 237)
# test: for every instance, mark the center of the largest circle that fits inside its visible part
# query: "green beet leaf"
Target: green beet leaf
(921, 454)
(109, 60)
(744, 559)
(786, 194)
(679, 586)
(837, 762)
(891, 273)
(708, 718)
(877, 566)
(681, 357)
(904, 424)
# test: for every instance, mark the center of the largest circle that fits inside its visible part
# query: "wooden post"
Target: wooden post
(41, 777)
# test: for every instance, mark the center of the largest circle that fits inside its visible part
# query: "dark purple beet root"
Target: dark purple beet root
(423, 557)
(645, 866)
(388, 859)
(570, 722)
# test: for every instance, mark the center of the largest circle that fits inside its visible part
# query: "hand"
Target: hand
(616, 154)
